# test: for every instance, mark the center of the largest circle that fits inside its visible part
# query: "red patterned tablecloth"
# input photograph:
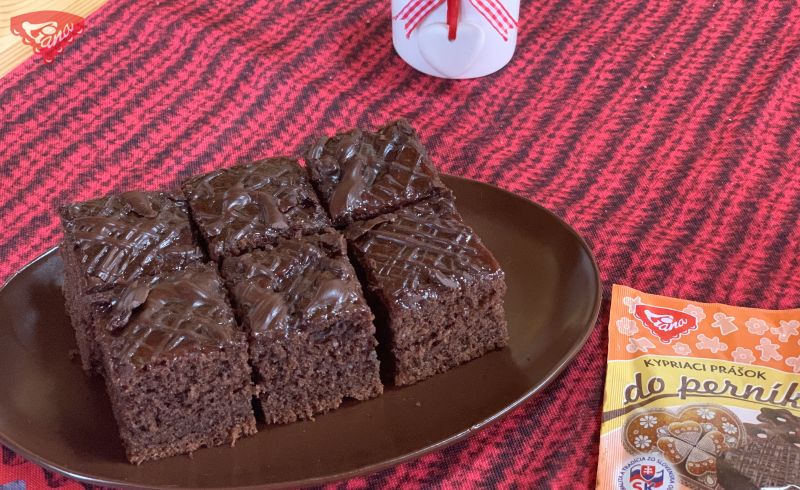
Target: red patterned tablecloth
(666, 133)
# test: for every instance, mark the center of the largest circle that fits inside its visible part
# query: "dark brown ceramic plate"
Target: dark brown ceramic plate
(54, 415)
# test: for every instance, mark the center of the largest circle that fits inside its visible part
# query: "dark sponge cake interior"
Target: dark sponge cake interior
(312, 340)
(436, 289)
(181, 405)
(176, 365)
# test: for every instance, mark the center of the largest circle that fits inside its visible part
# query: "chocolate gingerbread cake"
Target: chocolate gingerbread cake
(361, 174)
(245, 207)
(280, 319)
(175, 364)
(312, 340)
(769, 459)
(436, 290)
(115, 240)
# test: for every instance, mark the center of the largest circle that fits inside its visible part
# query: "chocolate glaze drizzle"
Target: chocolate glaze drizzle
(253, 203)
(120, 238)
(164, 317)
(298, 284)
(361, 174)
(419, 251)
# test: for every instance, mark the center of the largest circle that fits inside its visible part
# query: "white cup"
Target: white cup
(485, 37)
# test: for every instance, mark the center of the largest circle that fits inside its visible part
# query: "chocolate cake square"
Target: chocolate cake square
(436, 290)
(770, 457)
(312, 340)
(115, 240)
(360, 174)
(175, 364)
(245, 207)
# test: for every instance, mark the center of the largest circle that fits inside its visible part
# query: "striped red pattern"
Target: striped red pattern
(667, 133)
(495, 13)
(415, 11)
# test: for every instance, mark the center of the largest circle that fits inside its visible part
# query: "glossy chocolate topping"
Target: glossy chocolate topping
(254, 203)
(361, 174)
(181, 312)
(297, 284)
(419, 250)
(119, 238)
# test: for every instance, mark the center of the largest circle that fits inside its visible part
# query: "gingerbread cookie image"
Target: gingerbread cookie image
(692, 439)
(770, 458)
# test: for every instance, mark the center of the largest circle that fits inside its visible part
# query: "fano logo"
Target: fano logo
(47, 31)
(646, 473)
(667, 324)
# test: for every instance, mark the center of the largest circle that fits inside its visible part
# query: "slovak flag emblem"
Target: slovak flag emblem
(647, 475)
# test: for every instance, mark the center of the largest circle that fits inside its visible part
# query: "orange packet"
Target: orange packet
(699, 396)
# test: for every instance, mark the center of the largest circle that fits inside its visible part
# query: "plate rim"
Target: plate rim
(562, 364)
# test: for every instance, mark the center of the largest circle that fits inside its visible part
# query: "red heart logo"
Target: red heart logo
(667, 324)
(47, 31)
